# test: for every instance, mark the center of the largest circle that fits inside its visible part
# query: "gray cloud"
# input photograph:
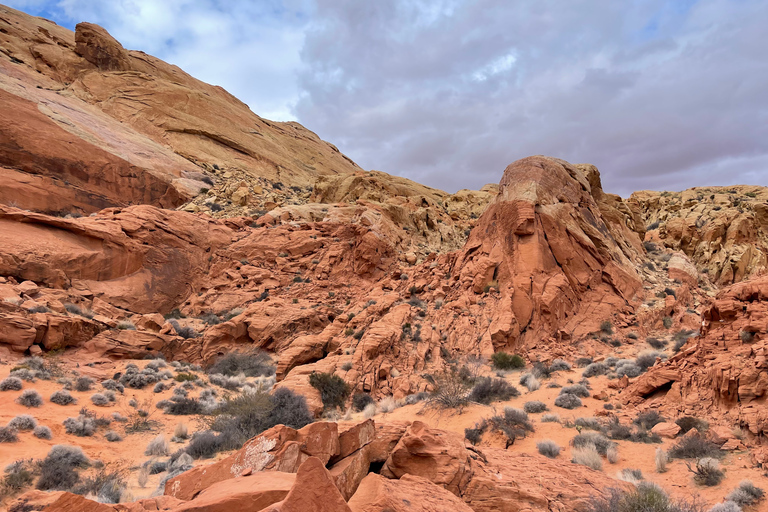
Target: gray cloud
(660, 94)
(656, 94)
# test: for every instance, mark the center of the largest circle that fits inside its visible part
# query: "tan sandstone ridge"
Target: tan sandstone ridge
(724, 230)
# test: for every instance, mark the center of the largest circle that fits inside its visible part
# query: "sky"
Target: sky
(658, 94)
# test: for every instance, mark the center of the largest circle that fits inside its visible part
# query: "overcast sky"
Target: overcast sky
(658, 94)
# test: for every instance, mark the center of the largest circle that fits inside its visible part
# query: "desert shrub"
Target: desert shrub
(451, 389)
(112, 385)
(656, 343)
(333, 390)
(594, 369)
(583, 362)
(513, 423)
(77, 310)
(245, 416)
(661, 459)
(204, 445)
(587, 456)
(42, 432)
(415, 398)
(81, 426)
(180, 392)
(100, 400)
(541, 370)
(645, 497)
(107, 486)
(535, 406)
(30, 398)
(707, 472)
(185, 377)
(361, 400)
(647, 359)
(559, 365)
(548, 448)
(532, 383)
(631, 370)
(615, 430)
(631, 475)
(745, 494)
(588, 423)
(23, 422)
(550, 418)
(505, 361)
(83, 384)
(612, 454)
(606, 326)
(648, 419)
(58, 468)
(62, 397)
(567, 401)
(112, 436)
(487, 390)
(474, 434)
(11, 384)
(157, 447)
(18, 475)
(387, 404)
(23, 374)
(599, 441)
(255, 363)
(133, 378)
(747, 336)
(181, 431)
(576, 389)
(695, 447)
(369, 411)
(8, 435)
(159, 388)
(185, 332)
(666, 322)
(726, 506)
(180, 405)
(687, 423)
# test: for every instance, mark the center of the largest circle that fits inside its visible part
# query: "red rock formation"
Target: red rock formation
(720, 374)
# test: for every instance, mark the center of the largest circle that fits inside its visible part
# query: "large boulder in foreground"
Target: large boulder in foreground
(408, 494)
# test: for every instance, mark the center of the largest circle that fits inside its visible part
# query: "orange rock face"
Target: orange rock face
(722, 373)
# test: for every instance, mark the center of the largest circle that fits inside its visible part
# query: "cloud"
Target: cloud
(657, 94)
(661, 94)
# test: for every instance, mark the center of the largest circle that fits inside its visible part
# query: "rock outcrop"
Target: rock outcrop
(724, 230)
(426, 470)
(720, 374)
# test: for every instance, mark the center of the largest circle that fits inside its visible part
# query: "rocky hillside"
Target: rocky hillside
(152, 228)
(723, 230)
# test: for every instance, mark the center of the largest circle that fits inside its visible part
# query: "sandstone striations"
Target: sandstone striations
(147, 215)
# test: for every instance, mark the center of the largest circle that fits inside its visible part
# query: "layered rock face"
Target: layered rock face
(720, 374)
(95, 125)
(724, 230)
(558, 249)
(540, 266)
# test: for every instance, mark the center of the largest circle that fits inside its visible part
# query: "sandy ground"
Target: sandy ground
(128, 454)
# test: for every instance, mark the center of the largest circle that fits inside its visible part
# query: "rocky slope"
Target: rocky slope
(724, 230)
(211, 230)
(720, 374)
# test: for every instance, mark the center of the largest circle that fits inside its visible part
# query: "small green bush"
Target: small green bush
(333, 390)
(505, 361)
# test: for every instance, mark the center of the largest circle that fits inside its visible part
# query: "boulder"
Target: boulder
(436, 455)
(314, 491)
(408, 494)
(17, 332)
(666, 429)
(253, 492)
